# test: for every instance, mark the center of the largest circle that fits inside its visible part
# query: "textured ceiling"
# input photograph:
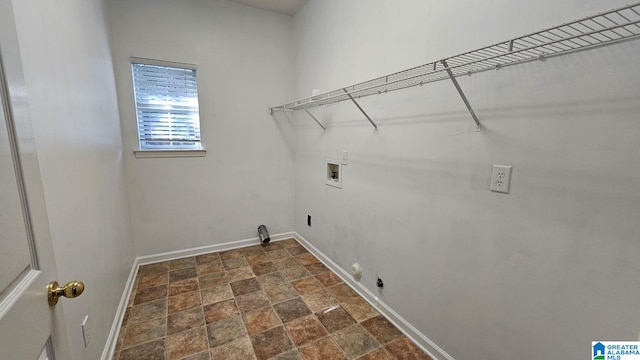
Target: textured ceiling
(288, 7)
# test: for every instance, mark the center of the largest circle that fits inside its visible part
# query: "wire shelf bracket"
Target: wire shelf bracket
(606, 28)
(314, 118)
(462, 95)
(360, 108)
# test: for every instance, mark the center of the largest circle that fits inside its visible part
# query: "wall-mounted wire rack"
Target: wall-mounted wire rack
(593, 31)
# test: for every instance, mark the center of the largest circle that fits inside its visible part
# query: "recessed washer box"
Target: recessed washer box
(334, 173)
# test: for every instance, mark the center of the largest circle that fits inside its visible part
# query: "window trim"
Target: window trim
(164, 153)
(178, 153)
(147, 61)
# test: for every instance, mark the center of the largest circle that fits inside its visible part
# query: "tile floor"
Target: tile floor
(274, 301)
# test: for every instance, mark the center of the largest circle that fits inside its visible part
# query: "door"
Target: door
(29, 327)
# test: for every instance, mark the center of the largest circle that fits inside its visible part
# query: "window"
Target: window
(166, 97)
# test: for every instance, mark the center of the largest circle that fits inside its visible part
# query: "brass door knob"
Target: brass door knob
(70, 290)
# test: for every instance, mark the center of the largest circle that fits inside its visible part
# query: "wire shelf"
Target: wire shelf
(598, 30)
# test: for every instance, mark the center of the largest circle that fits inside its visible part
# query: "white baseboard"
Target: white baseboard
(403, 325)
(171, 255)
(112, 339)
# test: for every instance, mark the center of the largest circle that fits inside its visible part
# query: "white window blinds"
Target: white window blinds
(166, 105)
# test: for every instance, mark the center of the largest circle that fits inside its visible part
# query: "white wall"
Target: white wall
(73, 106)
(244, 65)
(537, 273)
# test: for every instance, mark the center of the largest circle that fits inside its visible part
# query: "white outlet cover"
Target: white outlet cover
(86, 332)
(500, 178)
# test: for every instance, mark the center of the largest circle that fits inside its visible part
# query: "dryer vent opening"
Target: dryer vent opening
(263, 234)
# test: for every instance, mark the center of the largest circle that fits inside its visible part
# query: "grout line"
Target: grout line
(204, 318)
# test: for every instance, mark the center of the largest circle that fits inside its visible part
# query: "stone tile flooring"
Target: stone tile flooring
(274, 301)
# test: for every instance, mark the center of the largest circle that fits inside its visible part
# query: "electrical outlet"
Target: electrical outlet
(86, 332)
(345, 157)
(500, 178)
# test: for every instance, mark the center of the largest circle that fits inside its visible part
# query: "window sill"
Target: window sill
(142, 154)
